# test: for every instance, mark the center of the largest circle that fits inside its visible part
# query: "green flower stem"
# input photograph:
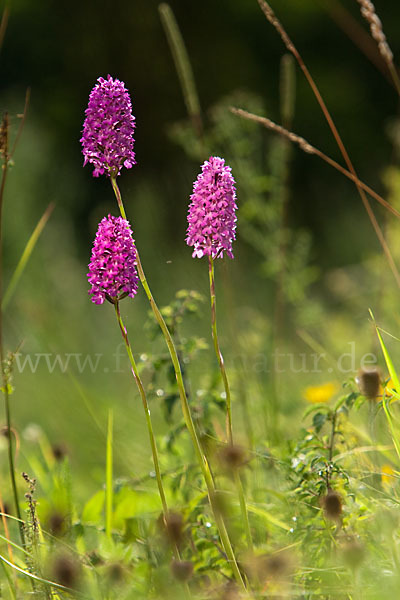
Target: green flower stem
(156, 463)
(186, 410)
(218, 352)
(118, 197)
(109, 474)
(238, 481)
(143, 396)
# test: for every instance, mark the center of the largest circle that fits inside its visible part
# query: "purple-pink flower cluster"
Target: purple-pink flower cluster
(212, 218)
(112, 268)
(107, 136)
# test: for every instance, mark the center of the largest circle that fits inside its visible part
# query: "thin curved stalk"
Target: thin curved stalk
(205, 468)
(271, 17)
(218, 352)
(220, 358)
(109, 474)
(309, 149)
(149, 424)
(146, 408)
(183, 67)
(3, 24)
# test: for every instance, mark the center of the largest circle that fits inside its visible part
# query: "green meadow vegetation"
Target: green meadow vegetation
(208, 427)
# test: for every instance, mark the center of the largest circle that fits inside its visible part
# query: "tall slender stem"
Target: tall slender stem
(218, 352)
(118, 197)
(238, 481)
(149, 424)
(5, 383)
(205, 468)
(109, 474)
(146, 407)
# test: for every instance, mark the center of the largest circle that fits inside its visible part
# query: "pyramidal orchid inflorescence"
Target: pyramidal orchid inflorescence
(112, 268)
(211, 217)
(107, 137)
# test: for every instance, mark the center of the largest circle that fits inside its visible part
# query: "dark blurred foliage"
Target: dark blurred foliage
(60, 48)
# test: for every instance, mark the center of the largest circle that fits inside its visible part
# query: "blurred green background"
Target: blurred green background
(59, 50)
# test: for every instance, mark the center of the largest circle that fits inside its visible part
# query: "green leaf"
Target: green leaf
(319, 421)
(93, 508)
(316, 407)
(129, 504)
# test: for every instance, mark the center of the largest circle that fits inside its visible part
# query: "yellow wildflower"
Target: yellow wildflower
(388, 476)
(317, 394)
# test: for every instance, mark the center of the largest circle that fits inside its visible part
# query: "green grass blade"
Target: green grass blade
(109, 474)
(11, 517)
(13, 544)
(182, 64)
(388, 360)
(26, 255)
(87, 403)
(394, 434)
(396, 383)
(10, 582)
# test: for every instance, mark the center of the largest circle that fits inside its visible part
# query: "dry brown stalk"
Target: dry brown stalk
(357, 34)
(375, 24)
(3, 25)
(369, 13)
(307, 147)
(270, 15)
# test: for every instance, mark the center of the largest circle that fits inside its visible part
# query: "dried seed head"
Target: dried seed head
(232, 456)
(182, 569)
(30, 481)
(229, 592)
(59, 451)
(375, 24)
(66, 571)
(116, 572)
(56, 524)
(7, 509)
(174, 527)
(369, 381)
(276, 566)
(353, 553)
(332, 505)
